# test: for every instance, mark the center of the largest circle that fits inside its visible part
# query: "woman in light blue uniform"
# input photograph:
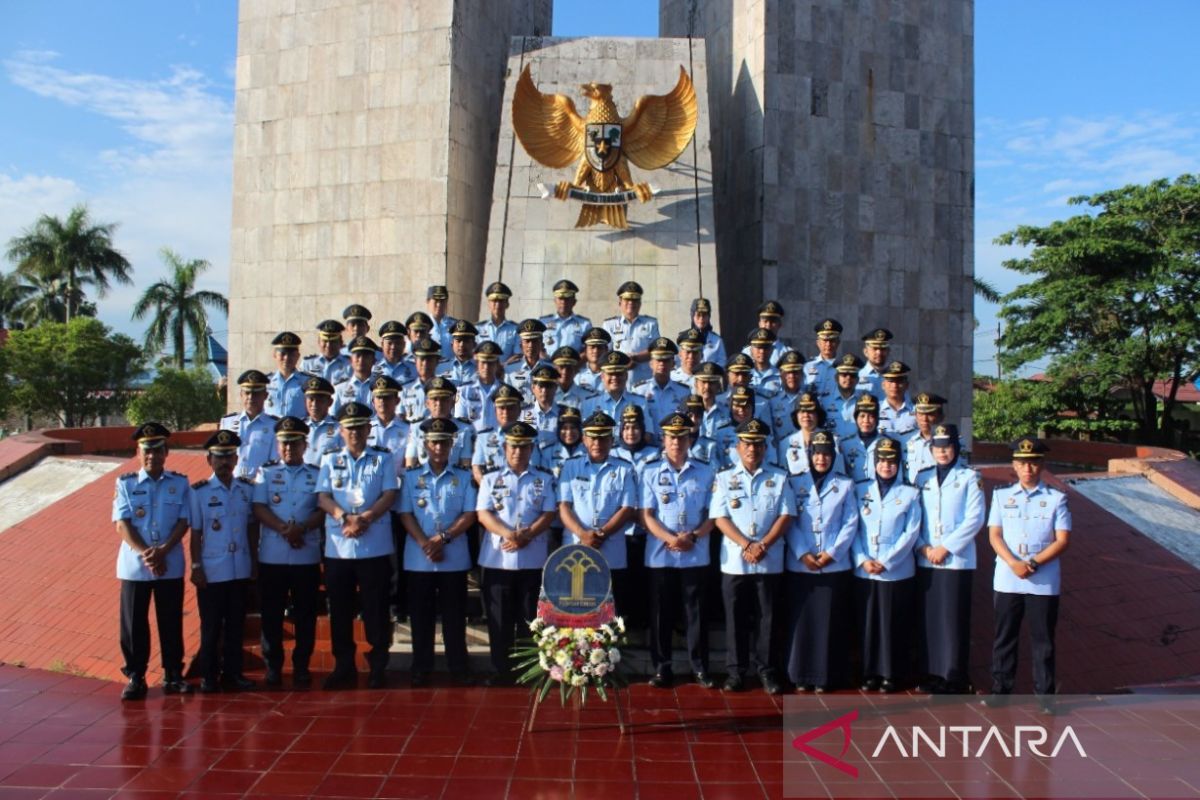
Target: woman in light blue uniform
(817, 564)
(889, 524)
(808, 418)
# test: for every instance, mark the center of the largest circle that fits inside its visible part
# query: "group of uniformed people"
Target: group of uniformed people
(837, 509)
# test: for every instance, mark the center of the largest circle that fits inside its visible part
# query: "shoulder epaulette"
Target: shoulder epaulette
(378, 449)
(926, 469)
(543, 469)
(863, 480)
(463, 419)
(614, 317)
(483, 322)
(698, 459)
(274, 462)
(127, 475)
(414, 469)
(199, 483)
(725, 469)
(849, 436)
(647, 316)
(245, 479)
(230, 414)
(329, 450)
(176, 473)
(620, 458)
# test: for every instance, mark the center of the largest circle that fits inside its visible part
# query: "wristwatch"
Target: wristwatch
(444, 536)
(1033, 565)
(197, 566)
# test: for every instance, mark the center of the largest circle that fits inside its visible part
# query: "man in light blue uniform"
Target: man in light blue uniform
(285, 386)
(753, 506)
(460, 367)
(289, 552)
(488, 453)
(357, 488)
(770, 317)
(631, 332)
(357, 387)
(565, 328)
(952, 513)
(1029, 527)
(533, 351)
(764, 376)
(702, 448)
(712, 346)
(474, 399)
(791, 386)
(876, 346)
(358, 323)
(329, 362)
(739, 371)
(615, 397)
(498, 328)
(393, 338)
(224, 553)
(840, 406)
(819, 371)
(323, 430)
(426, 356)
(542, 413)
(691, 356)
(516, 506)
(439, 403)
(918, 450)
(795, 451)
(388, 428)
(437, 509)
(437, 298)
(570, 393)
(150, 511)
(674, 500)
(897, 416)
(662, 395)
(709, 383)
(254, 427)
(596, 345)
(597, 502)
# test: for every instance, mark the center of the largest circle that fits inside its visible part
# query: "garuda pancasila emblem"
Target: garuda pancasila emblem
(653, 136)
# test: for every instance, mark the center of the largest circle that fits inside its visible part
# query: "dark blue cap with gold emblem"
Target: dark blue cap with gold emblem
(753, 430)
(565, 356)
(286, 340)
(363, 344)
(928, 403)
(676, 424)
(741, 395)
(488, 351)
(222, 443)
(895, 370)
(392, 329)
(866, 404)
(709, 371)
(597, 336)
(254, 380)
(879, 337)
(531, 328)
(565, 288)
(828, 329)
(663, 348)
(598, 425)
(507, 395)
(498, 291)
(440, 386)
(290, 429)
(330, 329)
(462, 329)
(353, 415)
(771, 308)
(544, 373)
(945, 435)
(437, 292)
(821, 442)
(426, 347)
(762, 337)
(568, 415)
(520, 434)
(693, 402)
(150, 435)
(739, 362)
(616, 361)
(806, 401)
(356, 312)
(418, 321)
(701, 305)
(315, 384)
(887, 449)
(633, 415)
(691, 339)
(1028, 447)
(630, 290)
(384, 386)
(438, 429)
(847, 363)
(791, 361)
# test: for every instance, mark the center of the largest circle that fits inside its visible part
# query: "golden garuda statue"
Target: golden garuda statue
(653, 136)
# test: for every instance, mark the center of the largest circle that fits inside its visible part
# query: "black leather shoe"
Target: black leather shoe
(462, 679)
(340, 679)
(735, 683)
(135, 690)
(209, 686)
(870, 684)
(377, 679)
(704, 680)
(888, 686)
(272, 678)
(770, 683)
(237, 683)
(173, 683)
(302, 679)
(662, 680)
(419, 680)
(931, 686)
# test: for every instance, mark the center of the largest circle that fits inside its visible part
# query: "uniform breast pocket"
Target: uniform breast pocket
(216, 536)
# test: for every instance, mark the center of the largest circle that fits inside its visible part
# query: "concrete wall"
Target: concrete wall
(843, 141)
(669, 246)
(364, 140)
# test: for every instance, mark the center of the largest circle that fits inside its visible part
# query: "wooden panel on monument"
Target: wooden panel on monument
(669, 244)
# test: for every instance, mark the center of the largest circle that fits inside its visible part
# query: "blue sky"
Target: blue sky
(133, 113)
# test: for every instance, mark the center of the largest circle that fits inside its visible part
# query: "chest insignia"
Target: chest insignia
(141, 512)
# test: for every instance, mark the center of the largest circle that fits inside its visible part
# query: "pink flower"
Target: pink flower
(556, 673)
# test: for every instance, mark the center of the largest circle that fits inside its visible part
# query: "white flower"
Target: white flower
(597, 656)
(578, 680)
(544, 662)
(606, 629)
(537, 625)
(550, 631)
(562, 658)
(620, 624)
(614, 656)
(600, 671)
(587, 669)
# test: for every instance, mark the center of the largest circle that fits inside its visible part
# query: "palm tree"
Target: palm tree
(74, 253)
(986, 290)
(178, 308)
(13, 295)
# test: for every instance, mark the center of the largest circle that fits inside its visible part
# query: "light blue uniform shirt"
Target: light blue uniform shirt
(593, 381)
(778, 349)
(460, 451)
(614, 406)
(285, 396)
(335, 370)
(1028, 521)
(595, 492)
(839, 413)
(322, 436)
(564, 331)
(474, 403)
(412, 403)
(437, 501)
(859, 459)
(753, 503)
(222, 514)
(440, 332)
(821, 376)
(887, 530)
(575, 397)
(152, 507)
(403, 371)
(505, 335)
(258, 440)
(517, 500)
(355, 484)
(793, 456)
(713, 348)
(353, 390)
(488, 453)
(551, 457)
(781, 409)
(457, 371)
(767, 381)
(392, 437)
(952, 514)
(679, 501)
(291, 494)
(633, 337)
(826, 522)
(870, 381)
(899, 423)
(660, 400)
(544, 420)
(706, 450)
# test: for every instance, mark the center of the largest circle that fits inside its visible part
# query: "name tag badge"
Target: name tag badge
(232, 547)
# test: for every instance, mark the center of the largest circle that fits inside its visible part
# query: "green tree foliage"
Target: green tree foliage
(1011, 410)
(180, 398)
(68, 256)
(179, 309)
(1112, 298)
(76, 372)
(13, 295)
